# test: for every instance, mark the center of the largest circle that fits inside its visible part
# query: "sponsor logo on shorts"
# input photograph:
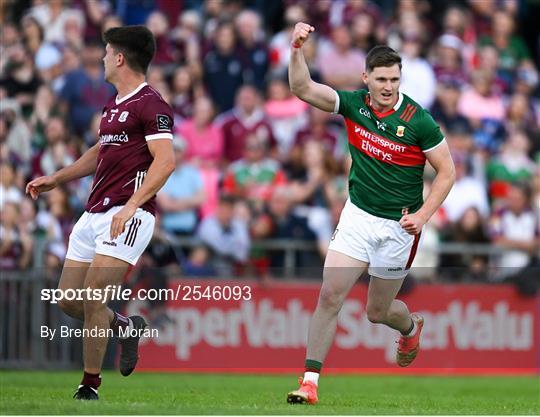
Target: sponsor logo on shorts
(109, 243)
(395, 269)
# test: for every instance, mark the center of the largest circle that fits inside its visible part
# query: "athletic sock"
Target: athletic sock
(312, 371)
(411, 331)
(91, 380)
(120, 322)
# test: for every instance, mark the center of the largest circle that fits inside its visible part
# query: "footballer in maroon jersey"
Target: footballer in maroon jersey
(131, 161)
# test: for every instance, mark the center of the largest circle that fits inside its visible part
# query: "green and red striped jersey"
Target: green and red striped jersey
(387, 152)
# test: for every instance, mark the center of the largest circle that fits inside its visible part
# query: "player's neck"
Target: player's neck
(128, 84)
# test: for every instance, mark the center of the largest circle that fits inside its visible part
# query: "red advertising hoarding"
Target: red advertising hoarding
(467, 327)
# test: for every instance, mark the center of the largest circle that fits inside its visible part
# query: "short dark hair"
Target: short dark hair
(382, 56)
(136, 43)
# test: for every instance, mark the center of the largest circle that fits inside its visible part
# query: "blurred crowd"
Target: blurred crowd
(253, 161)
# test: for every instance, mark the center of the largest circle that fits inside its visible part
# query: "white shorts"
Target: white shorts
(382, 243)
(91, 235)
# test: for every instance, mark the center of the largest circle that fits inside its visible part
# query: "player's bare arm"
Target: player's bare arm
(302, 86)
(160, 169)
(82, 167)
(441, 160)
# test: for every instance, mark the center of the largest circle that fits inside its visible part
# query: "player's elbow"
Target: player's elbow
(299, 89)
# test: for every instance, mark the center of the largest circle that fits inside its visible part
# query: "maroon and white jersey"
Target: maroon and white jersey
(124, 158)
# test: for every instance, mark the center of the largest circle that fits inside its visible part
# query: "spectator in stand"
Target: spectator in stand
(203, 136)
(515, 228)
(186, 37)
(280, 43)
(341, 66)
(256, 175)
(45, 106)
(520, 116)
(15, 247)
(53, 16)
(48, 60)
(448, 61)
(182, 92)
(20, 79)
(417, 77)
(253, 49)
(166, 53)
(512, 49)
(511, 165)
(318, 128)
(10, 191)
(286, 113)
(245, 119)
(445, 108)
(85, 89)
(226, 236)
(287, 225)
(488, 61)
(469, 229)
(223, 67)
(57, 153)
(182, 195)
(480, 102)
(363, 32)
(18, 136)
(467, 192)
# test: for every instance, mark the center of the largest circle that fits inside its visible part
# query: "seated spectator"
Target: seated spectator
(198, 264)
(17, 135)
(288, 225)
(15, 247)
(254, 176)
(318, 129)
(166, 54)
(286, 113)
(480, 102)
(182, 92)
(9, 189)
(245, 119)
(445, 108)
(223, 68)
(85, 89)
(467, 192)
(469, 229)
(516, 229)
(342, 66)
(227, 236)
(417, 77)
(448, 61)
(253, 49)
(203, 137)
(182, 195)
(511, 165)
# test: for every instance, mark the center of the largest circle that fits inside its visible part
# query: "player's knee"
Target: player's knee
(330, 298)
(72, 308)
(375, 314)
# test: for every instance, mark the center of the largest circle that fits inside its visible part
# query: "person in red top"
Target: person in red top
(131, 162)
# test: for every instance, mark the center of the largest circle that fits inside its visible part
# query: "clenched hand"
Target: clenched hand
(301, 33)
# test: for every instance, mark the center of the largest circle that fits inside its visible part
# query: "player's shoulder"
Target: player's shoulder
(413, 113)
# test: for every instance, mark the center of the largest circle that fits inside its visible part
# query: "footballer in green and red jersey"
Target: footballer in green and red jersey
(387, 150)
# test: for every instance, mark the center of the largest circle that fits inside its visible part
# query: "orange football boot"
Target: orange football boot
(409, 347)
(306, 394)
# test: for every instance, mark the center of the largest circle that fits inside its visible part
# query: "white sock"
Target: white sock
(130, 327)
(311, 377)
(413, 331)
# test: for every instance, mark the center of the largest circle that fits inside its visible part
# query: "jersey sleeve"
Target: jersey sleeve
(157, 119)
(344, 102)
(429, 133)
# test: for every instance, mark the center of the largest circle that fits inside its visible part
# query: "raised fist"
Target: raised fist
(301, 33)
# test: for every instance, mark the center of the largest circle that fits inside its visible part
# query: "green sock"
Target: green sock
(313, 366)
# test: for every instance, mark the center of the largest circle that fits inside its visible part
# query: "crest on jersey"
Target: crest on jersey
(163, 123)
(400, 131)
(123, 116)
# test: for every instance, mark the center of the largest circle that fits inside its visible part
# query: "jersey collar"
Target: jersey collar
(388, 112)
(127, 96)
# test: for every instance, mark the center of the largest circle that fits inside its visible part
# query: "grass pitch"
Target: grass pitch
(44, 392)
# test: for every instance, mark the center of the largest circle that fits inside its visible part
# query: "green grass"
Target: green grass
(31, 392)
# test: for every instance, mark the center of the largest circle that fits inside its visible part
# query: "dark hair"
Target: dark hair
(382, 56)
(136, 43)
